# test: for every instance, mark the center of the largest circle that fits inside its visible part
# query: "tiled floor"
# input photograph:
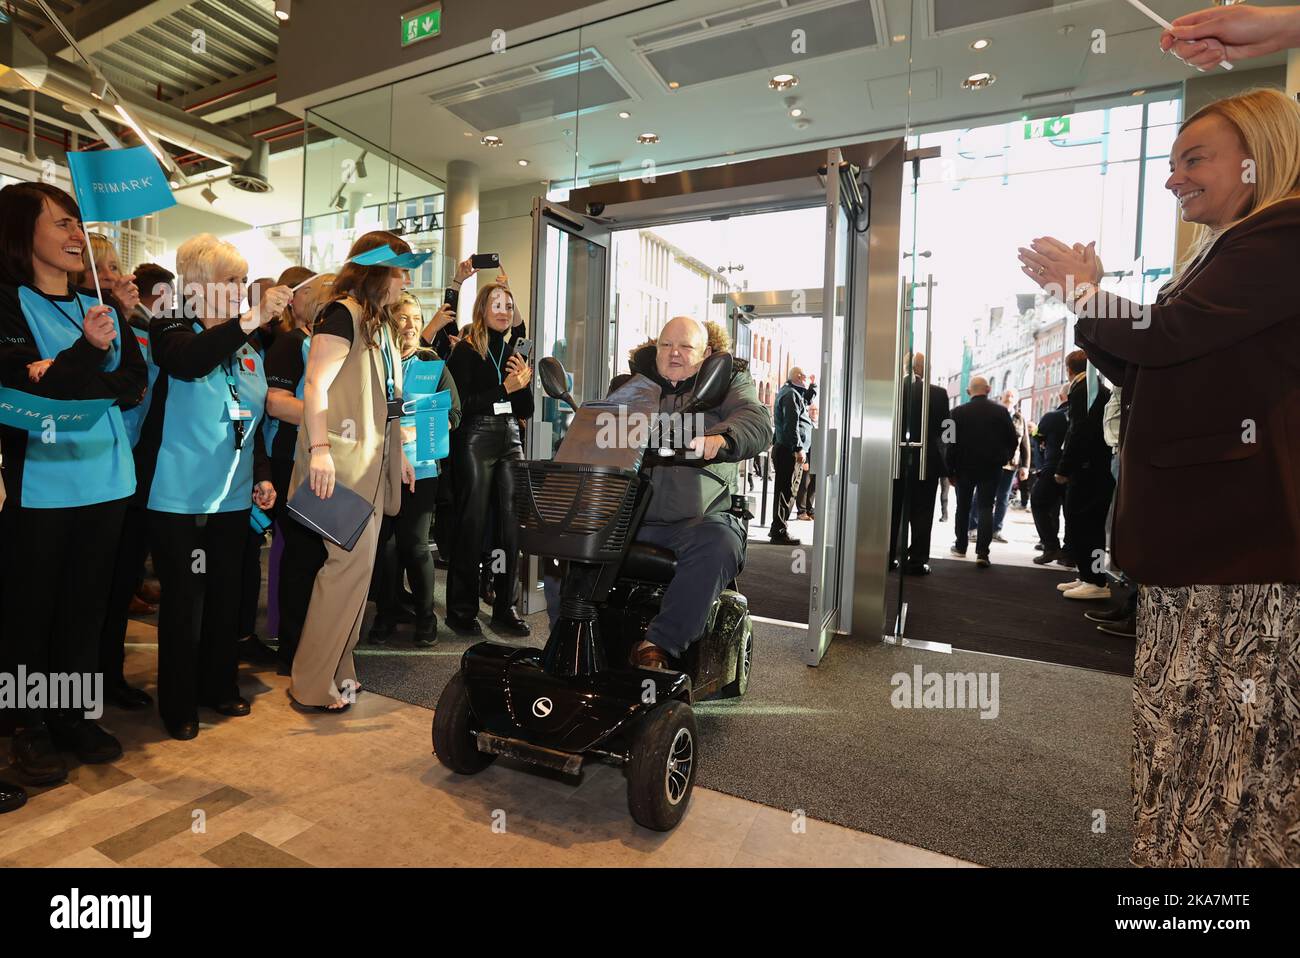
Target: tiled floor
(280, 788)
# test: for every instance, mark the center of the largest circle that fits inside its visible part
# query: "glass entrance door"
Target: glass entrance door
(569, 317)
(831, 433)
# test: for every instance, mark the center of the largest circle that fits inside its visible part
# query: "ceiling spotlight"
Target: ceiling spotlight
(361, 165)
(796, 111)
(282, 10)
(491, 140)
(648, 138)
(981, 44)
(523, 162)
(978, 81)
(468, 133)
(340, 203)
(899, 37)
(1139, 92)
(783, 81)
(673, 84)
(624, 115)
(210, 195)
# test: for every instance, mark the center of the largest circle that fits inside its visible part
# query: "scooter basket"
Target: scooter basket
(572, 510)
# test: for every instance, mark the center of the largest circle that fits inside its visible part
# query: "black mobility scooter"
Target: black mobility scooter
(578, 697)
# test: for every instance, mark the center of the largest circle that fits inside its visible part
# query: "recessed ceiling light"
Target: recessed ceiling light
(1139, 92)
(468, 133)
(673, 84)
(624, 115)
(491, 140)
(981, 44)
(523, 162)
(797, 111)
(899, 37)
(648, 138)
(783, 81)
(978, 81)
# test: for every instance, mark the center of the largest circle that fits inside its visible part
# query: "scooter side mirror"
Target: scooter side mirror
(711, 382)
(555, 381)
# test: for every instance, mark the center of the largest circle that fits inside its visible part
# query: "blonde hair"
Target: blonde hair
(477, 334)
(319, 291)
(1267, 123)
(102, 247)
(201, 259)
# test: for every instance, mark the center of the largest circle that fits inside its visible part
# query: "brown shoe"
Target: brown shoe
(650, 657)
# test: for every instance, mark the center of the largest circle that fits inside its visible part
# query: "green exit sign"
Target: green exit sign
(421, 24)
(1051, 126)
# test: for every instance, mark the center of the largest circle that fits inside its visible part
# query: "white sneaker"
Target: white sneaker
(1067, 586)
(1087, 590)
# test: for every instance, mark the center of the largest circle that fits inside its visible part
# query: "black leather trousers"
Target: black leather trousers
(482, 445)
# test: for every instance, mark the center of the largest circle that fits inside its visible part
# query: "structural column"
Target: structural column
(460, 228)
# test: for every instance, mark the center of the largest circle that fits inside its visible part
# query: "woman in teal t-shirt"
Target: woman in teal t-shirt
(66, 490)
(404, 538)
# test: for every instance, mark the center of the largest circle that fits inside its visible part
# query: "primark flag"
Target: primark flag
(114, 185)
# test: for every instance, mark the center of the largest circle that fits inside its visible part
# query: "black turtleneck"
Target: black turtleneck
(478, 382)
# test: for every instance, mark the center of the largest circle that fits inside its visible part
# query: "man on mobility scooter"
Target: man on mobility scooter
(689, 510)
(598, 690)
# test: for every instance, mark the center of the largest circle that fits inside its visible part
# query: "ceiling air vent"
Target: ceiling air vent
(755, 37)
(540, 91)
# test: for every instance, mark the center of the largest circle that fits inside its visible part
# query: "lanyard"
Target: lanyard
(72, 319)
(388, 364)
(498, 360)
(232, 385)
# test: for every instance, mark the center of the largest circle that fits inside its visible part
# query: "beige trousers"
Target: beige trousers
(323, 668)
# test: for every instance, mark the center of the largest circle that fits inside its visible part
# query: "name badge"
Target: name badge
(501, 409)
(236, 411)
(394, 409)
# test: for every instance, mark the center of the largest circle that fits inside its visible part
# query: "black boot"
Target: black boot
(426, 632)
(127, 697)
(86, 740)
(509, 620)
(35, 758)
(381, 632)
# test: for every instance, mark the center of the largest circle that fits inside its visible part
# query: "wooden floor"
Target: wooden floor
(279, 788)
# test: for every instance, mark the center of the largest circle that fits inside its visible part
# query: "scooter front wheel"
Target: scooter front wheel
(453, 733)
(661, 771)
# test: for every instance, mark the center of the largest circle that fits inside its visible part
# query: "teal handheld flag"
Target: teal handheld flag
(115, 185)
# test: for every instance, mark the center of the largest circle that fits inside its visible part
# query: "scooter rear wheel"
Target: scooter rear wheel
(453, 732)
(661, 771)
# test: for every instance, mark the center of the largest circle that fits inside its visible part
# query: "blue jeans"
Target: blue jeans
(982, 490)
(1001, 496)
(709, 551)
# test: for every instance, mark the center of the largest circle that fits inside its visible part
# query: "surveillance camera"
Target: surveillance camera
(748, 307)
(595, 209)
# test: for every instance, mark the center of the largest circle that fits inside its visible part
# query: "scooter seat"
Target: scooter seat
(647, 562)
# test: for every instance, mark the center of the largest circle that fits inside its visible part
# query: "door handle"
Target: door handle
(894, 458)
(925, 399)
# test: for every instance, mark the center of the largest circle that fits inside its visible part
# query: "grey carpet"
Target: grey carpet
(1018, 790)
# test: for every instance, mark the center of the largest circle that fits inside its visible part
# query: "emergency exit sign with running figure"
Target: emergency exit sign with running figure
(421, 24)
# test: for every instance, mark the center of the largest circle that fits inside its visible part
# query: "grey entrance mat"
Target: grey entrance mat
(1044, 783)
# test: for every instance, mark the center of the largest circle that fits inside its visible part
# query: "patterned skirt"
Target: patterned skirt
(1216, 703)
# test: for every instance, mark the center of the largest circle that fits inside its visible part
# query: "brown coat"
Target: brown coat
(366, 448)
(1209, 485)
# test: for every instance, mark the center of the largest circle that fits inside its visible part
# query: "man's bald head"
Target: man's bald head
(979, 386)
(681, 347)
(918, 364)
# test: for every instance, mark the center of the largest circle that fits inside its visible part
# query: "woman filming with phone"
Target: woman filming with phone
(495, 393)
